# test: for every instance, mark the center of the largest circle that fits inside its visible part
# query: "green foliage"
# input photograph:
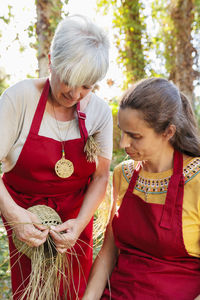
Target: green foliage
(197, 109)
(3, 76)
(5, 285)
(9, 16)
(129, 27)
(197, 8)
(166, 38)
(53, 20)
(3, 81)
(116, 131)
(118, 154)
(164, 41)
(196, 29)
(114, 105)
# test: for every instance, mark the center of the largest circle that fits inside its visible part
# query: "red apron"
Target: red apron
(153, 262)
(33, 181)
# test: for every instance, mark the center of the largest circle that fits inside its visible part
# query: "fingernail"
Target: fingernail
(53, 227)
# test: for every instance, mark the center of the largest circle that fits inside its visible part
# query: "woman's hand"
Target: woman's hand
(27, 227)
(25, 224)
(66, 234)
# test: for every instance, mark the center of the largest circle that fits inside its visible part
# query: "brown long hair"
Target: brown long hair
(162, 104)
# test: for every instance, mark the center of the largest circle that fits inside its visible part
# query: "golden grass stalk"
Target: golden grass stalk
(46, 275)
(48, 267)
(102, 215)
(91, 149)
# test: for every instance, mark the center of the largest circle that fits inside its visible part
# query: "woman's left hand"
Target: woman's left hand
(66, 234)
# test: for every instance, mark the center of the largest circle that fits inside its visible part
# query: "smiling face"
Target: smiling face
(139, 140)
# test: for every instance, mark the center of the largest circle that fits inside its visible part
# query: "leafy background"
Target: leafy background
(150, 38)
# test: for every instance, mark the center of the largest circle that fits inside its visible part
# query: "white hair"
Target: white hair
(79, 51)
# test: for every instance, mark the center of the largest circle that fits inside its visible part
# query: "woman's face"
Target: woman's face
(64, 95)
(139, 140)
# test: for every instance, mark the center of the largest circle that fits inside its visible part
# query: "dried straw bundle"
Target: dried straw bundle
(91, 149)
(102, 216)
(49, 267)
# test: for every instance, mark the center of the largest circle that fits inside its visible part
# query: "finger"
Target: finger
(30, 243)
(41, 227)
(65, 238)
(37, 223)
(33, 237)
(61, 227)
(60, 241)
(39, 234)
(61, 250)
(68, 240)
(34, 243)
(56, 236)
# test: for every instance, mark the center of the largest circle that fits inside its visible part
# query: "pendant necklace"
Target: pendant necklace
(64, 168)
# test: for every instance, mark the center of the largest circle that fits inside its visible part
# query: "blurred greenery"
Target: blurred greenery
(197, 110)
(5, 286)
(3, 80)
(130, 36)
(138, 57)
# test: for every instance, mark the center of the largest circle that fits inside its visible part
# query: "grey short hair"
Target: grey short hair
(79, 51)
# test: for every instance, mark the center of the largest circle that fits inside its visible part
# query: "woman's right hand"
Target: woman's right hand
(27, 227)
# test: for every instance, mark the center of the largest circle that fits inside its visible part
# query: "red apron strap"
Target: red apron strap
(35, 126)
(134, 177)
(81, 121)
(174, 191)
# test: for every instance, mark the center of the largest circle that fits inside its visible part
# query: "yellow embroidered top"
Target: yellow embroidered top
(152, 188)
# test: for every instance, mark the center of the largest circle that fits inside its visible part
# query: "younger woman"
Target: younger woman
(152, 244)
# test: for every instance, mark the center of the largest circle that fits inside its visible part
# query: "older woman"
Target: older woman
(47, 126)
(152, 246)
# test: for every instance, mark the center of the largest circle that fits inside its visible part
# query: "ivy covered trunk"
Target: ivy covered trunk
(182, 14)
(130, 34)
(132, 55)
(48, 16)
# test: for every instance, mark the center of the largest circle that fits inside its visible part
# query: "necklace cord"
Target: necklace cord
(60, 136)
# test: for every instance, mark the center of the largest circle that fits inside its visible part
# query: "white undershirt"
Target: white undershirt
(17, 107)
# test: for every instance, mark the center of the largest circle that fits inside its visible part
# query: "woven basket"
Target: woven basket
(48, 217)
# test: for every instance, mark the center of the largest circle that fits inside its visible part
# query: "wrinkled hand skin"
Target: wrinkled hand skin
(66, 234)
(27, 227)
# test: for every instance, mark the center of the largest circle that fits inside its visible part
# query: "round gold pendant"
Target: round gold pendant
(64, 168)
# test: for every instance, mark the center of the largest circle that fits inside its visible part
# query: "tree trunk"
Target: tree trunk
(182, 14)
(136, 62)
(48, 16)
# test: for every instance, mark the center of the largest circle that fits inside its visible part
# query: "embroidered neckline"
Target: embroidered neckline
(158, 185)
